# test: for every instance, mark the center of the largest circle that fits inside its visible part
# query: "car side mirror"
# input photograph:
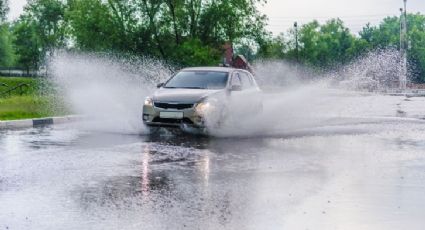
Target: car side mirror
(236, 88)
(159, 85)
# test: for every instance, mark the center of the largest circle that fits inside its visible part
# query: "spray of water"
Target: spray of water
(109, 91)
(296, 98)
(377, 70)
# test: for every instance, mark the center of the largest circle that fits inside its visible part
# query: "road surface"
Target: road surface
(362, 175)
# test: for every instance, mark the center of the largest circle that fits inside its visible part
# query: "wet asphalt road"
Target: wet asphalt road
(352, 176)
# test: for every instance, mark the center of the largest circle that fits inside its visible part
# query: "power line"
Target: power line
(324, 17)
(345, 20)
(290, 24)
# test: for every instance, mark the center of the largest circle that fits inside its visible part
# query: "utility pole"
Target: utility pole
(403, 46)
(296, 41)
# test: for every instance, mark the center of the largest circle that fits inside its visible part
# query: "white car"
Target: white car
(202, 96)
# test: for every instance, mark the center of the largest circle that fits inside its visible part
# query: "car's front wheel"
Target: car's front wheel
(154, 130)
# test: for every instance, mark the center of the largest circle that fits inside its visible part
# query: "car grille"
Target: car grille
(172, 121)
(172, 106)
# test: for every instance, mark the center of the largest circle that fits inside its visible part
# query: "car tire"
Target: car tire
(154, 130)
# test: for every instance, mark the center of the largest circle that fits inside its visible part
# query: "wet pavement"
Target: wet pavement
(367, 175)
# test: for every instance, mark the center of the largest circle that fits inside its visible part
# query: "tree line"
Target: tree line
(192, 32)
(327, 46)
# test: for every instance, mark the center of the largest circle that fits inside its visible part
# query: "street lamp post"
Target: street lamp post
(296, 41)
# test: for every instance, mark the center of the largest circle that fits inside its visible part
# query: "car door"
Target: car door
(235, 81)
(241, 92)
(251, 92)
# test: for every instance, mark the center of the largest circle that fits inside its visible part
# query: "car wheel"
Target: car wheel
(223, 118)
(154, 130)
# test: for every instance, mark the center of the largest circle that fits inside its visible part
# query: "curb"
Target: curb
(31, 123)
(406, 94)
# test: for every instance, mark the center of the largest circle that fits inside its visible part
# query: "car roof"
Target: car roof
(217, 69)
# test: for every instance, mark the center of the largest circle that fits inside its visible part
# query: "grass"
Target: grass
(15, 81)
(31, 102)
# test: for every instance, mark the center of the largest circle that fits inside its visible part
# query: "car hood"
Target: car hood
(188, 96)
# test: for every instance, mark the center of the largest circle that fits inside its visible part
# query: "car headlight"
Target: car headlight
(148, 101)
(204, 107)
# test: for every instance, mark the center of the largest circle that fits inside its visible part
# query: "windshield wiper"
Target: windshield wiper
(184, 88)
(192, 88)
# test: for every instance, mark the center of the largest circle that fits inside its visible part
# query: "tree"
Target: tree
(387, 34)
(6, 49)
(38, 31)
(47, 17)
(27, 44)
(90, 25)
(164, 28)
(322, 46)
(271, 48)
(326, 45)
(4, 9)
(194, 53)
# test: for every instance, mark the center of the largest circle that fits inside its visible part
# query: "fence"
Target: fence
(20, 89)
(20, 72)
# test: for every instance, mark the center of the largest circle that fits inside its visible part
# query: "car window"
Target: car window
(236, 79)
(246, 81)
(198, 80)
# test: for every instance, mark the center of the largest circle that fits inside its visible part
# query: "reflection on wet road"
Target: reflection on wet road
(332, 178)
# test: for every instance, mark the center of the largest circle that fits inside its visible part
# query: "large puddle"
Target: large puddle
(347, 175)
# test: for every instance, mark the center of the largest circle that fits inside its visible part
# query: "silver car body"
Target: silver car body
(174, 107)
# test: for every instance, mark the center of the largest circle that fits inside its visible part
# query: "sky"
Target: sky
(16, 8)
(355, 13)
(283, 13)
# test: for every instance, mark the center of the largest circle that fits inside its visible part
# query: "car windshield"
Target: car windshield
(198, 80)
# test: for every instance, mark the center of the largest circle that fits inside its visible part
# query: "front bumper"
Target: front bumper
(151, 117)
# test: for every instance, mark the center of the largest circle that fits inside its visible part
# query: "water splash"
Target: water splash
(297, 98)
(108, 91)
(377, 70)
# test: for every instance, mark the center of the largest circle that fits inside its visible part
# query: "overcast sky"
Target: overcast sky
(355, 13)
(283, 13)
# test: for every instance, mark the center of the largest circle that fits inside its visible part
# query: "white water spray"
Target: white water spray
(296, 99)
(109, 92)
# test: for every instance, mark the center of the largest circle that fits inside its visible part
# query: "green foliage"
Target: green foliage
(326, 45)
(387, 34)
(27, 44)
(34, 102)
(10, 82)
(167, 29)
(331, 44)
(246, 49)
(21, 107)
(273, 48)
(91, 25)
(38, 31)
(47, 17)
(6, 48)
(193, 53)
(321, 46)
(4, 9)
(192, 32)
(416, 53)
